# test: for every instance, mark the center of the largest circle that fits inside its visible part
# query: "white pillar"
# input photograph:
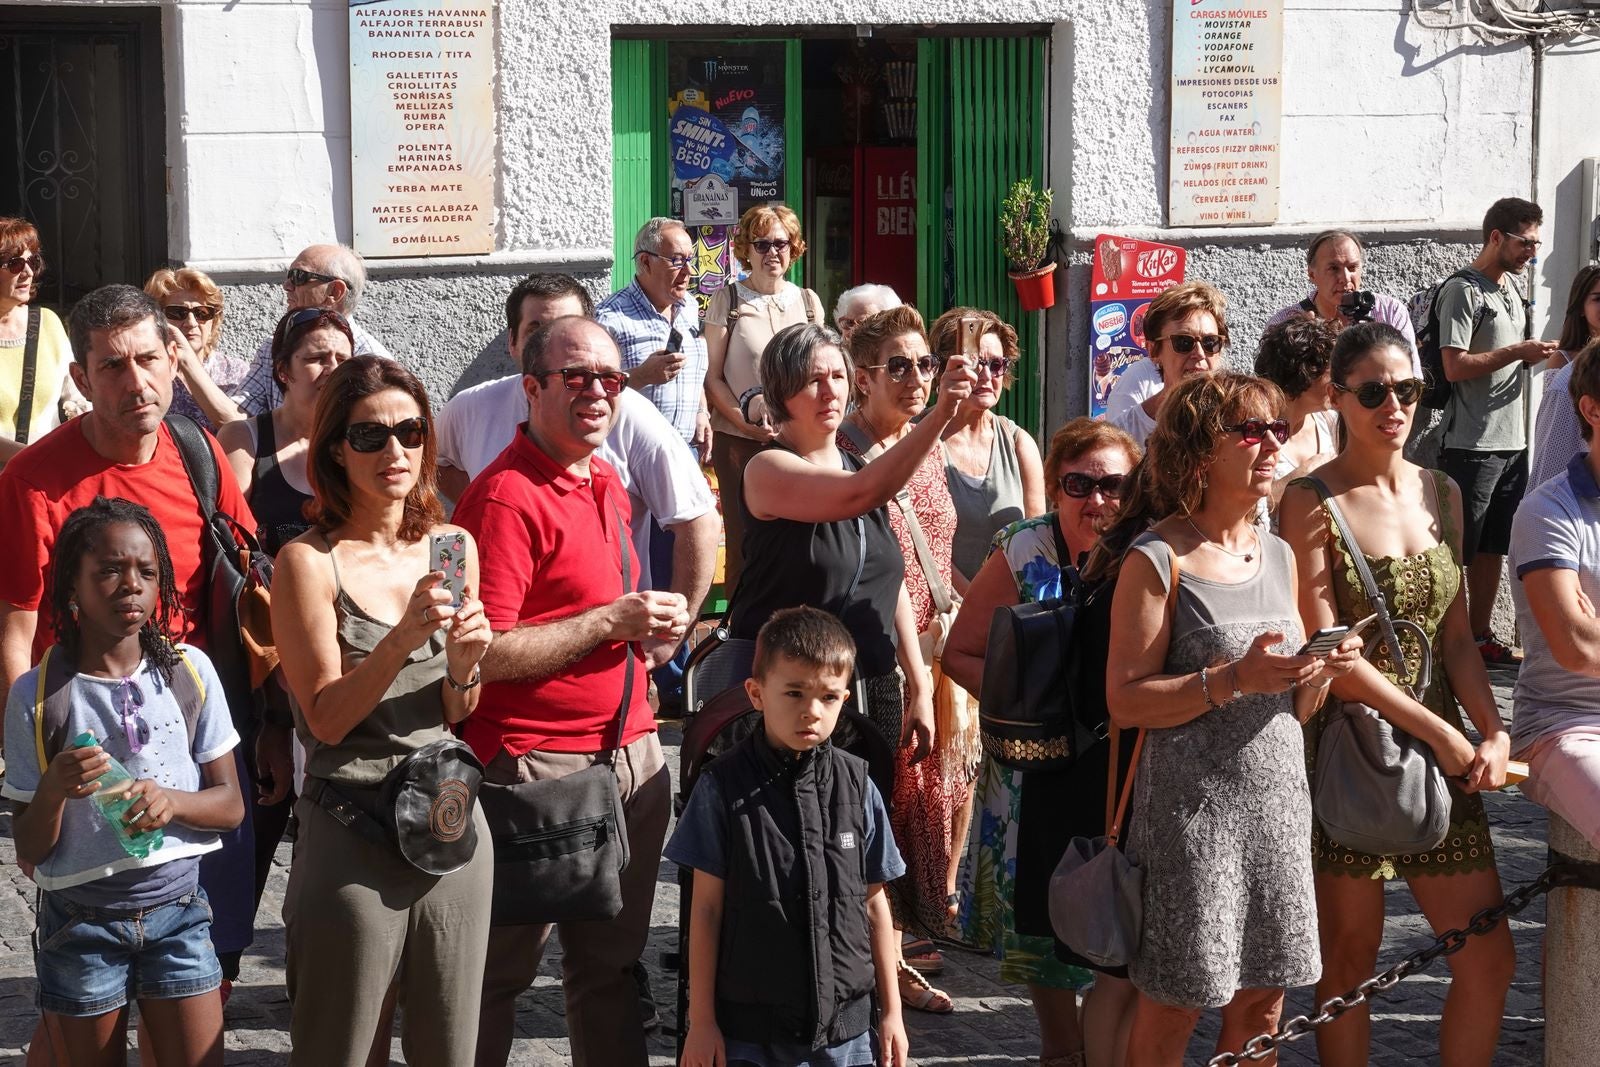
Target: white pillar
(1571, 959)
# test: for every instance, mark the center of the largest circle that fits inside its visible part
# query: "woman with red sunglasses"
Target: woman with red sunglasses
(1407, 521)
(30, 333)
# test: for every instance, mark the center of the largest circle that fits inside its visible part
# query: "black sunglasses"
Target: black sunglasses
(763, 245)
(372, 436)
(15, 264)
(578, 379)
(298, 277)
(1183, 343)
(180, 312)
(1254, 430)
(1372, 394)
(997, 366)
(897, 367)
(1079, 486)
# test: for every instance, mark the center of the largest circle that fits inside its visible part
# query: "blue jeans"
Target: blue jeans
(89, 959)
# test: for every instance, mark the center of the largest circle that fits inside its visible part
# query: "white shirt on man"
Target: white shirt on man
(661, 476)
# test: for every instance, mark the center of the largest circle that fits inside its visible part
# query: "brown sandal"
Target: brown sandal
(917, 992)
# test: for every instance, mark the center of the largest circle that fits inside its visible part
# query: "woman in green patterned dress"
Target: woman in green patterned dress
(1408, 521)
(1084, 466)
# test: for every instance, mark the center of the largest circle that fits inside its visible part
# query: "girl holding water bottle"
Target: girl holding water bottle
(121, 910)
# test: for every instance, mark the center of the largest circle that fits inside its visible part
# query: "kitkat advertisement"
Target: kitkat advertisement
(1127, 275)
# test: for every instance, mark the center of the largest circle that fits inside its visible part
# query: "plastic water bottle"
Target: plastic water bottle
(113, 801)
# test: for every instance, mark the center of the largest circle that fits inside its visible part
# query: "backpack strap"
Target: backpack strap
(1308, 306)
(190, 692)
(30, 374)
(811, 305)
(199, 462)
(52, 704)
(732, 289)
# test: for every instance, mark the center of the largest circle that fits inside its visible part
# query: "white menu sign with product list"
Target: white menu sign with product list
(1227, 112)
(422, 127)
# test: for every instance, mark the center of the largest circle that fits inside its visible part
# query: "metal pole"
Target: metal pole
(1571, 959)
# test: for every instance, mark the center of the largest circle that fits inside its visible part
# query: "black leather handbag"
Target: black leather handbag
(561, 845)
(1027, 710)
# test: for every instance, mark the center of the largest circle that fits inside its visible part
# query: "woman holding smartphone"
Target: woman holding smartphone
(380, 664)
(1407, 521)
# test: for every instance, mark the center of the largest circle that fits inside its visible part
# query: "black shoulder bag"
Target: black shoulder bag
(561, 845)
(1028, 710)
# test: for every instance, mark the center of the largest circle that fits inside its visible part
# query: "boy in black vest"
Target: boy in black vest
(790, 845)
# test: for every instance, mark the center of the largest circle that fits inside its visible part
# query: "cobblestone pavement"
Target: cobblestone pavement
(993, 1024)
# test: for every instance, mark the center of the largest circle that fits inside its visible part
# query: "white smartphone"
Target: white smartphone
(448, 553)
(1328, 639)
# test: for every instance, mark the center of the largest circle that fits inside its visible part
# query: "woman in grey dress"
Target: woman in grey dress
(1222, 823)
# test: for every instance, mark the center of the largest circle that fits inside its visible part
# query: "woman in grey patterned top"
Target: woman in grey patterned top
(1222, 815)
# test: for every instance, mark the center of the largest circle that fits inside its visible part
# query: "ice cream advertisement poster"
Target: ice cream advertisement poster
(422, 127)
(1227, 112)
(1127, 275)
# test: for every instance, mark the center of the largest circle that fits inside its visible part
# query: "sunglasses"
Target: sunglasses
(181, 312)
(373, 436)
(297, 277)
(997, 366)
(897, 367)
(1183, 343)
(675, 262)
(17, 264)
(1530, 243)
(763, 245)
(578, 379)
(130, 699)
(1078, 486)
(1253, 431)
(1372, 394)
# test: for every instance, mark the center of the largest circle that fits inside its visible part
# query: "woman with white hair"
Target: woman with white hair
(860, 303)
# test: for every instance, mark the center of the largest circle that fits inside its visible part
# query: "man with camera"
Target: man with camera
(1334, 259)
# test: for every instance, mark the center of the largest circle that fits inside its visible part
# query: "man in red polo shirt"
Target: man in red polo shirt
(551, 522)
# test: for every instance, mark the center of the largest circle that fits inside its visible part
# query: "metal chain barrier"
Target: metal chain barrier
(1562, 871)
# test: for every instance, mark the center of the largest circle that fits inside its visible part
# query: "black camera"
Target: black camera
(1357, 306)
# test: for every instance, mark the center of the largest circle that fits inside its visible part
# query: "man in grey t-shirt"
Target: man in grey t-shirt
(1482, 326)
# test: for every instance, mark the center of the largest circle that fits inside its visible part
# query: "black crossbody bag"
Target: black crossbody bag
(560, 846)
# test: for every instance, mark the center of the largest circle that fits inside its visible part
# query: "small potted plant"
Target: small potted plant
(1025, 236)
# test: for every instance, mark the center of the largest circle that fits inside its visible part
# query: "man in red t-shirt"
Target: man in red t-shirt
(124, 364)
(551, 522)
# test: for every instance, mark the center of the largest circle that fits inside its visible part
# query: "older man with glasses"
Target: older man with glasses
(321, 276)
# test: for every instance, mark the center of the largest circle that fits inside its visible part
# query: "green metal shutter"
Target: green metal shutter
(996, 124)
(638, 139)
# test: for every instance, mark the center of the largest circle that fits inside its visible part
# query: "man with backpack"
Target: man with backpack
(1479, 325)
(124, 363)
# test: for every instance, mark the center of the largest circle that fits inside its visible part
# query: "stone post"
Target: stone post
(1571, 959)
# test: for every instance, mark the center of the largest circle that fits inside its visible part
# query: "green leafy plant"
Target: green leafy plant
(1025, 226)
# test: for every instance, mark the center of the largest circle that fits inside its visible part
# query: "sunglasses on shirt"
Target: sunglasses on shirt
(578, 379)
(373, 436)
(1078, 486)
(1253, 431)
(1372, 394)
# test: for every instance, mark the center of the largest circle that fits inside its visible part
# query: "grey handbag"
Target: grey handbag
(1377, 789)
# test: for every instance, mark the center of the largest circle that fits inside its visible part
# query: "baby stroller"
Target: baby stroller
(717, 716)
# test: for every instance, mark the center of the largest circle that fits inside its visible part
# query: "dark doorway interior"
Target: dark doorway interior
(82, 131)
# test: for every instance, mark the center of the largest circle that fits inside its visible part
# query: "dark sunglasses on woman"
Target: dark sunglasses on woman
(1372, 394)
(180, 312)
(372, 436)
(1078, 486)
(997, 366)
(578, 379)
(17, 264)
(897, 367)
(1183, 343)
(763, 245)
(1253, 430)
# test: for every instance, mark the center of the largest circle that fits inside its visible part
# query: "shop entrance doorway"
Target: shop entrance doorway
(894, 150)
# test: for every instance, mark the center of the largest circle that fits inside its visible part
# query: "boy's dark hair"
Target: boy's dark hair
(807, 636)
(1510, 214)
(1585, 382)
(79, 535)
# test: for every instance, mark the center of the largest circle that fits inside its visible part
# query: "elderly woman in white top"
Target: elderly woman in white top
(860, 303)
